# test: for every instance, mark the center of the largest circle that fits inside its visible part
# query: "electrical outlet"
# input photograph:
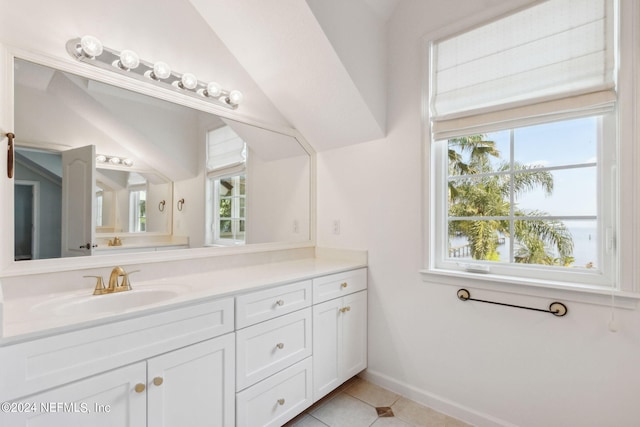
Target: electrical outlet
(336, 226)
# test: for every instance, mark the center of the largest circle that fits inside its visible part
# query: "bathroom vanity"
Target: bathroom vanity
(248, 326)
(248, 346)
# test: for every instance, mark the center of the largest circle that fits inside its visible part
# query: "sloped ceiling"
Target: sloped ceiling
(316, 65)
(321, 63)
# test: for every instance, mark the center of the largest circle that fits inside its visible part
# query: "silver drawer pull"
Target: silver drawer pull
(280, 345)
(280, 302)
(280, 402)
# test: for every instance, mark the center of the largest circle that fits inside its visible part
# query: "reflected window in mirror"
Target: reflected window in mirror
(137, 186)
(99, 207)
(137, 210)
(230, 203)
(226, 188)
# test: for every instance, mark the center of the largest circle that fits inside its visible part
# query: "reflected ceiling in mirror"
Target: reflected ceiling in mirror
(167, 143)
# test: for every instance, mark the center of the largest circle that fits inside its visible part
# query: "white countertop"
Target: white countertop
(30, 317)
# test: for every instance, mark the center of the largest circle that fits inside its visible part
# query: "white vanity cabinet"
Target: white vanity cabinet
(339, 330)
(248, 358)
(191, 386)
(170, 368)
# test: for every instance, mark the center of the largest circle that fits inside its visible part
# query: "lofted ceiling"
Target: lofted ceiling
(322, 63)
(316, 65)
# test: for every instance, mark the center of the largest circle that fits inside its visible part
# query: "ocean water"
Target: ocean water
(585, 244)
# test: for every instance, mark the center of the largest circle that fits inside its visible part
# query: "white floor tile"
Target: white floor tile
(345, 411)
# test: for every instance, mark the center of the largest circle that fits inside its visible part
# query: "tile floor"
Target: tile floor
(359, 403)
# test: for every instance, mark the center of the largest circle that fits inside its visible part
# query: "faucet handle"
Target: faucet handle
(100, 289)
(126, 283)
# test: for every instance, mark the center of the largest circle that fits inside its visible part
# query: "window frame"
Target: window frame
(624, 273)
(603, 276)
(235, 217)
(135, 224)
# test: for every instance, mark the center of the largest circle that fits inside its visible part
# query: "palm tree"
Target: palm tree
(488, 195)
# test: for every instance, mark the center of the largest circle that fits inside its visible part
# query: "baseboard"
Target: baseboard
(433, 401)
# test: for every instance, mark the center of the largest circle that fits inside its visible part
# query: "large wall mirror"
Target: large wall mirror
(101, 169)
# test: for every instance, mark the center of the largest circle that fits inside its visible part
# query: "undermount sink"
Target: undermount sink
(109, 303)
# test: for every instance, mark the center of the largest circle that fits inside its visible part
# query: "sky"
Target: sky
(556, 144)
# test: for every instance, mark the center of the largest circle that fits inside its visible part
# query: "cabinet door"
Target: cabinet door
(327, 335)
(104, 400)
(193, 386)
(339, 341)
(353, 354)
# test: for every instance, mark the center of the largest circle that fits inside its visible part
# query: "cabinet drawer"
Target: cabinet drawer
(264, 305)
(338, 285)
(277, 399)
(266, 348)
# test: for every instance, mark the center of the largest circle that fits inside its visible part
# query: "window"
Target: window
(230, 198)
(528, 197)
(226, 188)
(137, 210)
(99, 206)
(524, 131)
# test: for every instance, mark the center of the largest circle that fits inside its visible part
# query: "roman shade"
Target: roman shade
(550, 61)
(226, 152)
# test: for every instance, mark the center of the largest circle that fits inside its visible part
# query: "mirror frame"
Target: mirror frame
(10, 268)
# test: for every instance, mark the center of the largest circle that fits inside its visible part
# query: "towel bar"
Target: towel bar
(556, 308)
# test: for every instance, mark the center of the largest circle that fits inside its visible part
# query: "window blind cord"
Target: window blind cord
(613, 323)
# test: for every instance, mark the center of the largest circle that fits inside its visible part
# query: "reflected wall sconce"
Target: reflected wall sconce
(113, 160)
(89, 49)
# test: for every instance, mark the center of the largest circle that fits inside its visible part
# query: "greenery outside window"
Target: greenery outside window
(536, 199)
(137, 210)
(230, 210)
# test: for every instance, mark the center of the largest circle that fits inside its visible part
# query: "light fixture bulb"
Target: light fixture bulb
(127, 162)
(188, 81)
(114, 160)
(91, 46)
(161, 70)
(101, 158)
(214, 90)
(129, 60)
(235, 97)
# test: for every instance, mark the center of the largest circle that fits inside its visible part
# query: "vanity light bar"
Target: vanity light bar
(90, 50)
(113, 160)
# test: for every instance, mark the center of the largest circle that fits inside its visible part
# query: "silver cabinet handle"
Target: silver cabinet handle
(280, 302)
(280, 402)
(280, 345)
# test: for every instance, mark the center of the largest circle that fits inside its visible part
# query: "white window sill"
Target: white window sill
(533, 288)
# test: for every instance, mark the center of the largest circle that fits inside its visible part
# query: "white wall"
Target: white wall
(487, 364)
(278, 196)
